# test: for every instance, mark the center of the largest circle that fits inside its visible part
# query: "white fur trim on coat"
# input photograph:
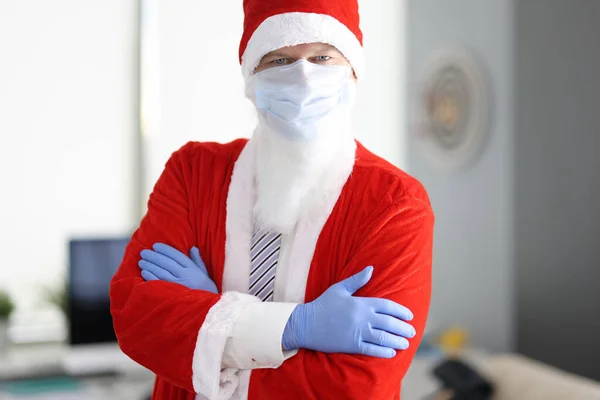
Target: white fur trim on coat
(291, 29)
(239, 223)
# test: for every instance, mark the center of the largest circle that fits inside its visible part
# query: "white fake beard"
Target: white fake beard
(291, 176)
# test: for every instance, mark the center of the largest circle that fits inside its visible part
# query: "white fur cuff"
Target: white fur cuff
(212, 337)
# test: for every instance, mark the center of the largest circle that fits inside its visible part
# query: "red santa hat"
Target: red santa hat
(272, 24)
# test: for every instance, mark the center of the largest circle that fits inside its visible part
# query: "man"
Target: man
(305, 247)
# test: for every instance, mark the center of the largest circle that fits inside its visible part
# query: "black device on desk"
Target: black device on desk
(92, 264)
(463, 381)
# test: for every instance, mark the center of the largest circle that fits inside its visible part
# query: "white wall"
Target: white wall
(381, 107)
(473, 274)
(67, 121)
(201, 87)
(200, 83)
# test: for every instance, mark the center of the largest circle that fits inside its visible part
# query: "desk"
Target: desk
(46, 361)
(117, 388)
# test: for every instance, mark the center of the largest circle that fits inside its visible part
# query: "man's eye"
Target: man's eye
(323, 58)
(279, 61)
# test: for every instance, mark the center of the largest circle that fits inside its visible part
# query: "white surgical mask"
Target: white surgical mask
(303, 100)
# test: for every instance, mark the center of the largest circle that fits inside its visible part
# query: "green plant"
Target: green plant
(6, 305)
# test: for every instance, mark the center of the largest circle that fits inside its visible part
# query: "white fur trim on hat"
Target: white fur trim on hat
(291, 29)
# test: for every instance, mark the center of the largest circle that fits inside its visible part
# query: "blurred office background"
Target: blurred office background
(491, 104)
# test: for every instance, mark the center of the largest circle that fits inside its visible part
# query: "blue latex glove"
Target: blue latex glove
(337, 322)
(166, 263)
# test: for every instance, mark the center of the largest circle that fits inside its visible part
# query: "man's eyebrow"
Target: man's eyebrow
(276, 54)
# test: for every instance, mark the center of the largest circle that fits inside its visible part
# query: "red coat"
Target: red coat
(382, 217)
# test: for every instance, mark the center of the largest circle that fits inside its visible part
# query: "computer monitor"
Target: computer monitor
(94, 348)
(92, 264)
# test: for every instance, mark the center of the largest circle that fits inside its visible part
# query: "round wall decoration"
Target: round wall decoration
(453, 109)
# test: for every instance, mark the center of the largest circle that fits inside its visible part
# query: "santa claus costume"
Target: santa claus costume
(339, 207)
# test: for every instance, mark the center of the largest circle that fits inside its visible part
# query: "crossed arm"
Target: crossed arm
(151, 314)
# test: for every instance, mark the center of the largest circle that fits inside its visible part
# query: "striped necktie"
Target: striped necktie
(264, 254)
